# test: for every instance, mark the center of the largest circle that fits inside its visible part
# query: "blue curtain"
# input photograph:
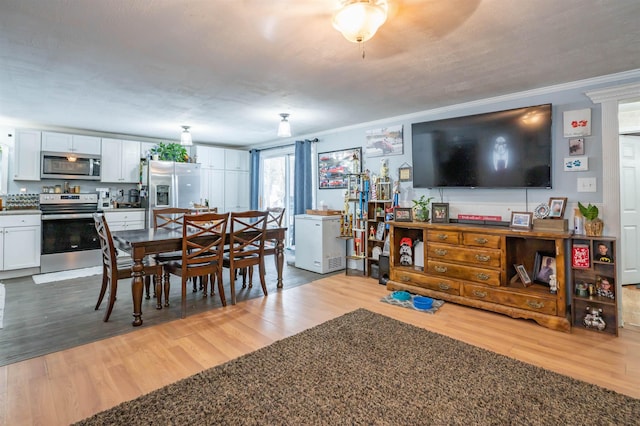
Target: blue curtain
(255, 179)
(302, 185)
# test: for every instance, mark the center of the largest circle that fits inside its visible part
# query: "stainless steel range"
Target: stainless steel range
(69, 238)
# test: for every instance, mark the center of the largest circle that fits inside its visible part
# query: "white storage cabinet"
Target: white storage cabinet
(318, 248)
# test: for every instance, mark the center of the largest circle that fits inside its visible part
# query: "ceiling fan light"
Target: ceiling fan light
(284, 128)
(185, 137)
(359, 20)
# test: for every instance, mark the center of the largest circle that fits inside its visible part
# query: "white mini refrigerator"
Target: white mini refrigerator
(318, 248)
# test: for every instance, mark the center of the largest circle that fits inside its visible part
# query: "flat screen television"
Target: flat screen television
(502, 149)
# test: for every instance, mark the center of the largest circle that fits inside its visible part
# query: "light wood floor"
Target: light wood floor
(67, 386)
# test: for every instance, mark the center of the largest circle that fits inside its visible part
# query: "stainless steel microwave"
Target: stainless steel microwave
(56, 165)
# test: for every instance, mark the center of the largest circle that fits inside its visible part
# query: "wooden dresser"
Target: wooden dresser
(475, 266)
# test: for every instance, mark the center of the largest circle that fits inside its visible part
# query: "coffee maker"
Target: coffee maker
(104, 199)
(134, 197)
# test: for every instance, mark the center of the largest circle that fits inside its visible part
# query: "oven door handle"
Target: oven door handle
(67, 216)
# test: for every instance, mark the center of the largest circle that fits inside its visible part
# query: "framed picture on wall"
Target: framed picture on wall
(384, 141)
(334, 167)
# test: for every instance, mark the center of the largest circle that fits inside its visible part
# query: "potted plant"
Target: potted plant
(170, 152)
(421, 208)
(592, 224)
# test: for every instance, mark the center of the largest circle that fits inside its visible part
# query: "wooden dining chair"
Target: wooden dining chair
(203, 239)
(168, 218)
(115, 268)
(276, 215)
(246, 245)
(274, 220)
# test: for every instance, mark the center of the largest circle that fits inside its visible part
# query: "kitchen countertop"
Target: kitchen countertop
(15, 212)
(120, 209)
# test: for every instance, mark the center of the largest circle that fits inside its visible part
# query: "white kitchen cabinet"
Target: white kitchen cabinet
(65, 142)
(212, 187)
(120, 161)
(26, 164)
(211, 157)
(236, 191)
(120, 220)
(235, 159)
(20, 241)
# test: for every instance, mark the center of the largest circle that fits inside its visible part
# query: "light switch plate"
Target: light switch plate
(587, 184)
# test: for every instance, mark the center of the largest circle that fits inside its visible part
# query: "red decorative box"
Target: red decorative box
(580, 257)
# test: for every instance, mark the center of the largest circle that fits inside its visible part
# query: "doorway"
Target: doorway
(277, 185)
(629, 145)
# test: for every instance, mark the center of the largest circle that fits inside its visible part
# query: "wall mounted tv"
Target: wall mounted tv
(502, 149)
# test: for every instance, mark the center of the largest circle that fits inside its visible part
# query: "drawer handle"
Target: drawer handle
(441, 269)
(404, 278)
(441, 252)
(479, 293)
(535, 305)
(482, 258)
(444, 286)
(442, 236)
(482, 276)
(481, 240)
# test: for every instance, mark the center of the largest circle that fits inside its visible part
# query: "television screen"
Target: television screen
(503, 149)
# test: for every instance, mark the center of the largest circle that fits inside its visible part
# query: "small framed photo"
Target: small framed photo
(522, 274)
(556, 207)
(604, 287)
(521, 220)
(602, 252)
(543, 267)
(440, 212)
(576, 146)
(403, 214)
(405, 173)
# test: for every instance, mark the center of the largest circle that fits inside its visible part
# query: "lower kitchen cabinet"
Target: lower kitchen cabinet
(125, 220)
(19, 241)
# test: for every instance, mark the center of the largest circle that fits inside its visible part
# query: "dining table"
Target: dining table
(140, 243)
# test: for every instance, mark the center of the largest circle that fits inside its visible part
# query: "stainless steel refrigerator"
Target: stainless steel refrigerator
(171, 184)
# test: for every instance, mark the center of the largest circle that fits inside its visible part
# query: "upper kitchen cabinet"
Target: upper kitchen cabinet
(64, 142)
(236, 160)
(27, 155)
(211, 157)
(120, 161)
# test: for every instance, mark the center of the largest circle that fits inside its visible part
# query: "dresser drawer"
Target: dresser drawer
(487, 257)
(469, 273)
(481, 240)
(530, 302)
(439, 236)
(425, 281)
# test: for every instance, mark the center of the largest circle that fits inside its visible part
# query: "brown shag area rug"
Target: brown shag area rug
(365, 368)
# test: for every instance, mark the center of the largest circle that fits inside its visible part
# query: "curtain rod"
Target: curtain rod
(284, 146)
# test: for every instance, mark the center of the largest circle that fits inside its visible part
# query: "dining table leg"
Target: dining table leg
(136, 286)
(280, 259)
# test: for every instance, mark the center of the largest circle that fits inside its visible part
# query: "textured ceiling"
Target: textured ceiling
(229, 67)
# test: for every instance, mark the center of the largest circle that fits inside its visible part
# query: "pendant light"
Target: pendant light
(284, 129)
(185, 138)
(358, 20)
